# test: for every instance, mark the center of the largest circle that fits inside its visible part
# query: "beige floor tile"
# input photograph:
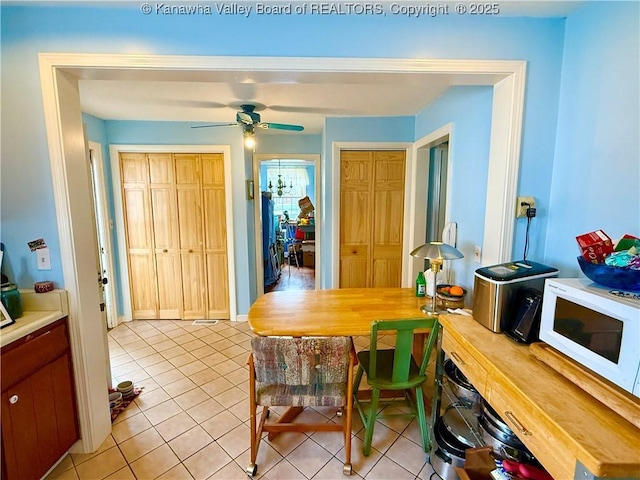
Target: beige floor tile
(221, 424)
(102, 465)
(129, 427)
(169, 377)
(309, 458)
(230, 397)
(140, 444)
(239, 377)
(231, 471)
(190, 442)
(207, 461)
(427, 473)
(166, 345)
(142, 352)
(158, 368)
(179, 387)
(179, 472)
(234, 350)
(193, 367)
(236, 441)
(214, 359)
(149, 360)
(386, 469)
(217, 386)
(181, 359)
(162, 412)
(205, 410)
(191, 398)
(283, 470)
(122, 474)
(79, 458)
(408, 454)
(241, 410)
(175, 426)
(64, 469)
(149, 399)
(204, 376)
(194, 344)
(155, 463)
(203, 351)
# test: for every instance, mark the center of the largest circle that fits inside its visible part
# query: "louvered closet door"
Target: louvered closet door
(164, 210)
(215, 235)
(371, 218)
(190, 228)
(138, 232)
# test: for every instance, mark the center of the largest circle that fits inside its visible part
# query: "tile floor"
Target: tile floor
(191, 419)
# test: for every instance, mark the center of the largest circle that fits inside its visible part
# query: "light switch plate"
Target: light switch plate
(44, 259)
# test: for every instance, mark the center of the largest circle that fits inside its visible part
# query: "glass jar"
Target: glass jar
(11, 300)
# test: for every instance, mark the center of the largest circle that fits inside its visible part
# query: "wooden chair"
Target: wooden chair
(299, 373)
(395, 369)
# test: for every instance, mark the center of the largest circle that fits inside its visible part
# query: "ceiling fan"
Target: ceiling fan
(249, 119)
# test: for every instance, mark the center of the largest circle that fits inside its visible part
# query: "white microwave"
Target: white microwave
(596, 326)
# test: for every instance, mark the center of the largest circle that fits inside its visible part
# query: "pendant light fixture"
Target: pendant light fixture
(281, 185)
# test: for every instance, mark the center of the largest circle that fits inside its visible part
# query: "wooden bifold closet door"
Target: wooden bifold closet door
(175, 227)
(371, 218)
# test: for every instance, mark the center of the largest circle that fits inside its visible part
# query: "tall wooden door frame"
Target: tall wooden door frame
(257, 159)
(114, 152)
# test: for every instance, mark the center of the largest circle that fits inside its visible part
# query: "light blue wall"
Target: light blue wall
(596, 170)
(27, 200)
(468, 109)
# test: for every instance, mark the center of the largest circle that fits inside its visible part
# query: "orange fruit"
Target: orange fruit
(456, 290)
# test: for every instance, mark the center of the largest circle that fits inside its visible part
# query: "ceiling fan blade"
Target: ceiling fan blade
(280, 126)
(216, 125)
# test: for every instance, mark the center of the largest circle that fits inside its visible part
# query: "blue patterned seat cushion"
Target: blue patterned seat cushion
(302, 372)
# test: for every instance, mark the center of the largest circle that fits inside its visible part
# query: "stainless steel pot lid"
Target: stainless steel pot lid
(462, 423)
(456, 376)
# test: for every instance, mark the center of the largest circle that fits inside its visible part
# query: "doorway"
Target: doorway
(287, 240)
(106, 274)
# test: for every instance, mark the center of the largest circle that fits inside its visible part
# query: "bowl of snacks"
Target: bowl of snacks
(622, 278)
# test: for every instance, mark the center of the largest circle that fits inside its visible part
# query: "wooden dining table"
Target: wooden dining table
(333, 312)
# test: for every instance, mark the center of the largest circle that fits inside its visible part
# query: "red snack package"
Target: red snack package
(595, 246)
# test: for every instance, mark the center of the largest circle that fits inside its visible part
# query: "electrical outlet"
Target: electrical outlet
(477, 254)
(522, 204)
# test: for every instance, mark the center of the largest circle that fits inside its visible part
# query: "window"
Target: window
(295, 181)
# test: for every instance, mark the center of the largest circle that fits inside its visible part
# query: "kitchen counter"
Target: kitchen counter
(40, 310)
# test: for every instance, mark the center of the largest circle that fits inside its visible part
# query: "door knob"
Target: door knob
(105, 280)
(13, 399)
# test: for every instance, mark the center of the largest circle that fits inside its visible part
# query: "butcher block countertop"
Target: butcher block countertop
(567, 429)
(39, 310)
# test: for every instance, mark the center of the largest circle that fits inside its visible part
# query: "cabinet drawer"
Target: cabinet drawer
(475, 373)
(23, 357)
(534, 430)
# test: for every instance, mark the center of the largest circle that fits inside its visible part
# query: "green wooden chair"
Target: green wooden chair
(395, 369)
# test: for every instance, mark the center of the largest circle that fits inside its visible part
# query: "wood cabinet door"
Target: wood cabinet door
(138, 231)
(39, 421)
(371, 218)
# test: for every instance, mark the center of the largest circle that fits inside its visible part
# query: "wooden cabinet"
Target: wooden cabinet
(175, 219)
(371, 218)
(39, 415)
(570, 432)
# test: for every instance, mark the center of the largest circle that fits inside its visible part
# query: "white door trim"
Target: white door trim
(416, 214)
(114, 154)
(60, 95)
